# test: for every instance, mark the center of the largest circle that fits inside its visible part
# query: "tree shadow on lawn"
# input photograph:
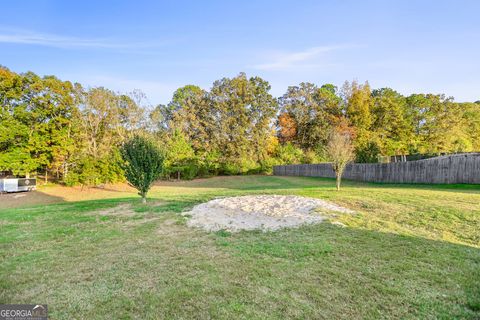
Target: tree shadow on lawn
(156, 205)
(369, 273)
(55, 193)
(17, 199)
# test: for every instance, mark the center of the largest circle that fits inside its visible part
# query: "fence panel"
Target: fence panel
(458, 168)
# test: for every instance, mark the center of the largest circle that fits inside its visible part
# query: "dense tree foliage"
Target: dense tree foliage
(392, 123)
(55, 128)
(36, 120)
(50, 126)
(230, 125)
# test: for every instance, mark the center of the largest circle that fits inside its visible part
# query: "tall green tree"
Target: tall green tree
(38, 113)
(392, 124)
(358, 104)
(190, 111)
(14, 125)
(441, 125)
(313, 110)
(243, 110)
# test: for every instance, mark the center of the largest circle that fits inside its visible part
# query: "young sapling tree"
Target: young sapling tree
(341, 151)
(142, 163)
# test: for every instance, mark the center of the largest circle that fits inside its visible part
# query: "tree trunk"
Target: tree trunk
(65, 171)
(144, 199)
(46, 176)
(339, 178)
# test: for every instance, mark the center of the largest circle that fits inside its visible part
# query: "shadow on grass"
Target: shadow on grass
(365, 263)
(12, 200)
(72, 208)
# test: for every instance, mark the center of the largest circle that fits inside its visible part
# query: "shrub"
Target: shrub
(143, 164)
(289, 154)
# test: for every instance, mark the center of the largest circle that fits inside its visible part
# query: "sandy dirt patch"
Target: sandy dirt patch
(264, 212)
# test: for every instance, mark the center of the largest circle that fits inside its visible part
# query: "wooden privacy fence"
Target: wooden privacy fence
(458, 168)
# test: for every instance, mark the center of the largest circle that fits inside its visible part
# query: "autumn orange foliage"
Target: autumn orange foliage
(287, 127)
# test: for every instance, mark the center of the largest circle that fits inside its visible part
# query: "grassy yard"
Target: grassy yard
(410, 252)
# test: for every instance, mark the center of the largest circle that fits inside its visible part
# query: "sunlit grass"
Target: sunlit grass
(408, 252)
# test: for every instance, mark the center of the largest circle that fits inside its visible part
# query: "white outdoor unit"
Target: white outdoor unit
(17, 184)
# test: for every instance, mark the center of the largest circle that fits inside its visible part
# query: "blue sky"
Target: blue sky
(158, 46)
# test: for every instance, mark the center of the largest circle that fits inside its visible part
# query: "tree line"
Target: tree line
(71, 133)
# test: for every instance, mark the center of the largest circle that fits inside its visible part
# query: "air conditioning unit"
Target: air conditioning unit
(17, 184)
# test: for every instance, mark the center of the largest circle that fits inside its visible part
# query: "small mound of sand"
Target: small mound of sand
(265, 212)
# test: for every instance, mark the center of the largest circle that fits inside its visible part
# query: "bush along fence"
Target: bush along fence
(458, 168)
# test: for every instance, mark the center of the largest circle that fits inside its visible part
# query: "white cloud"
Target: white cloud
(283, 61)
(60, 41)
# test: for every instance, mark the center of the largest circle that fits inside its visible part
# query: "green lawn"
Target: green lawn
(410, 252)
